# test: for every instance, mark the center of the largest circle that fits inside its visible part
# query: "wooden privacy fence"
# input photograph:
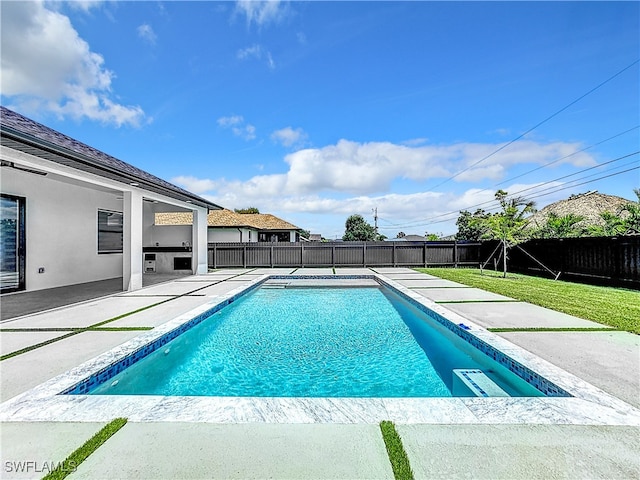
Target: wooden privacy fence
(344, 254)
(611, 261)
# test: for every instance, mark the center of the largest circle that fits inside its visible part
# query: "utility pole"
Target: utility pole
(375, 219)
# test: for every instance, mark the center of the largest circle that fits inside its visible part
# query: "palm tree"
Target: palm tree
(619, 223)
(508, 225)
(558, 226)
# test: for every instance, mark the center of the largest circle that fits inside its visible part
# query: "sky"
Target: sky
(314, 111)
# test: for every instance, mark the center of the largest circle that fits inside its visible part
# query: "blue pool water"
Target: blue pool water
(312, 342)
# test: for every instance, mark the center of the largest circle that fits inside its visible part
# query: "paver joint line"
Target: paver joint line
(71, 463)
(467, 404)
(95, 326)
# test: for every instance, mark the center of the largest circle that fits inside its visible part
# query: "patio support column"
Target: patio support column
(132, 241)
(199, 245)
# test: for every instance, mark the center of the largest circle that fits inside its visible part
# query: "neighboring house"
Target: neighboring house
(315, 237)
(408, 238)
(72, 214)
(228, 226)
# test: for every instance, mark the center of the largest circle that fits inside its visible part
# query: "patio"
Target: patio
(26, 303)
(293, 450)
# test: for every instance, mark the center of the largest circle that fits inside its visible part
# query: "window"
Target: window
(109, 232)
(12, 243)
(274, 237)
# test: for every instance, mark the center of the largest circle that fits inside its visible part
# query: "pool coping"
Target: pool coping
(588, 405)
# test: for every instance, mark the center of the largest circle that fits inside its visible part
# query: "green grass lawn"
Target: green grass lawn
(616, 307)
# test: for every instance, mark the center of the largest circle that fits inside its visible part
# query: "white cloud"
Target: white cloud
(146, 33)
(270, 63)
(248, 132)
(360, 168)
(371, 168)
(252, 51)
(323, 186)
(230, 121)
(501, 131)
(289, 136)
(261, 12)
(238, 126)
(414, 142)
(411, 212)
(196, 185)
(258, 52)
(46, 66)
(84, 5)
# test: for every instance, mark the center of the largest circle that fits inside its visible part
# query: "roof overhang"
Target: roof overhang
(17, 140)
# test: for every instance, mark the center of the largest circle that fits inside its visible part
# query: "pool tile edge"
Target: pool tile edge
(589, 406)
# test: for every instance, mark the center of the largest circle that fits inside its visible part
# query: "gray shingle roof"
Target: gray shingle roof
(21, 133)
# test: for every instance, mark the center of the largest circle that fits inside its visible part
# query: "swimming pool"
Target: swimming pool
(568, 400)
(318, 342)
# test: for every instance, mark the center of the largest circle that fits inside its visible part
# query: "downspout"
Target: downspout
(240, 230)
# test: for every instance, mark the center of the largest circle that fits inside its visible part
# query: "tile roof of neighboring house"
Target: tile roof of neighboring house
(227, 218)
(173, 218)
(266, 221)
(23, 134)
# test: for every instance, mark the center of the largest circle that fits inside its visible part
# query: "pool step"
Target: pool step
(275, 285)
(474, 382)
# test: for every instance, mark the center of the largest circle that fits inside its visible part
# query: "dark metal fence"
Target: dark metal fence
(344, 254)
(611, 261)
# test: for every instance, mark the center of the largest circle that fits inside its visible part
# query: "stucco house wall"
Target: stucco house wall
(62, 235)
(169, 236)
(64, 184)
(232, 234)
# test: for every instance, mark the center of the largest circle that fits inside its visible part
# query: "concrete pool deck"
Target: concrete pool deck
(610, 361)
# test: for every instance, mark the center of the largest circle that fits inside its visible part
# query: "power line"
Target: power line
(637, 167)
(537, 125)
(562, 158)
(557, 160)
(428, 221)
(566, 156)
(553, 191)
(572, 183)
(578, 172)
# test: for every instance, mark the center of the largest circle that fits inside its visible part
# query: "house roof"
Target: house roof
(588, 205)
(227, 218)
(266, 221)
(23, 134)
(408, 238)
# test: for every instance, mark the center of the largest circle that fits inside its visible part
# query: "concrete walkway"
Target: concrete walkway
(19, 304)
(609, 360)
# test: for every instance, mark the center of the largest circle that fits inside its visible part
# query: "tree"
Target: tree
(357, 229)
(401, 235)
(304, 233)
(560, 227)
(432, 237)
(633, 211)
(246, 210)
(507, 225)
(470, 226)
(625, 222)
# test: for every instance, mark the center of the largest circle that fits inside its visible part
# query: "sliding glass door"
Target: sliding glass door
(12, 243)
